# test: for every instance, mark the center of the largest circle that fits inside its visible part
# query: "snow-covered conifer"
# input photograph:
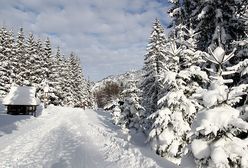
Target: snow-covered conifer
(177, 108)
(6, 53)
(55, 78)
(154, 67)
(90, 100)
(241, 67)
(31, 57)
(38, 73)
(132, 112)
(50, 72)
(217, 21)
(68, 84)
(218, 126)
(20, 69)
(47, 57)
(64, 74)
(78, 83)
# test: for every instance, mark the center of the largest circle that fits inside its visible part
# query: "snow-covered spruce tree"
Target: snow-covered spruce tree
(211, 18)
(82, 92)
(176, 107)
(3, 62)
(47, 57)
(218, 128)
(219, 23)
(13, 59)
(38, 73)
(242, 70)
(153, 67)
(90, 100)
(242, 66)
(6, 53)
(20, 69)
(35, 52)
(55, 77)
(78, 89)
(68, 84)
(50, 73)
(65, 77)
(180, 13)
(131, 111)
(31, 57)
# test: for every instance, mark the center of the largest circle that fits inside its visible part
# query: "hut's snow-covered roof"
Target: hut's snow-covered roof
(21, 95)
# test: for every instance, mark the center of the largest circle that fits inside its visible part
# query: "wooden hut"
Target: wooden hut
(21, 100)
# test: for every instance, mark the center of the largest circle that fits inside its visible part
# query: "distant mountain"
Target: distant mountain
(120, 79)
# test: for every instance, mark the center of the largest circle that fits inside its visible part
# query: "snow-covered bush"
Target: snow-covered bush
(117, 117)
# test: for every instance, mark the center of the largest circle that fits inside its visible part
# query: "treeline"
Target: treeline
(192, 100)
(32, 62)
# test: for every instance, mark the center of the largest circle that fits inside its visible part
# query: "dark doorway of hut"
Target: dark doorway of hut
(21, 109)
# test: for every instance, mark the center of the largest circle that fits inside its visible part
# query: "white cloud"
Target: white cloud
(110, 36)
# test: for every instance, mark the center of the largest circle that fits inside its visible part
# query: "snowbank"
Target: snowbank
(219, 118)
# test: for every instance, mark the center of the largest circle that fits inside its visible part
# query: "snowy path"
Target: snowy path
(67, 137)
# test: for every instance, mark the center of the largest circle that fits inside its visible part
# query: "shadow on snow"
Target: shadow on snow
(137, 139)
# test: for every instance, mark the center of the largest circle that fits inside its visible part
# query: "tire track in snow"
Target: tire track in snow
(55, 142)
(69, 138)
(117, 152)
(19, 151)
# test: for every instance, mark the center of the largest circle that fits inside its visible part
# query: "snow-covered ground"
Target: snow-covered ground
(68, 137)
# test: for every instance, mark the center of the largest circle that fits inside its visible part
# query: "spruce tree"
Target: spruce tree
(38, 73)
(64, 80)
(50, 72)
(21, 57)
(68, 84)
(214, 20)
(131, 111)
(220, 28)
(177, 107)
(47, 58)
(154, 68)
(55, 79)
(6, 51)
(219, 126)
(90, 100)
(78, 84)
(31, 52)
(10, 48)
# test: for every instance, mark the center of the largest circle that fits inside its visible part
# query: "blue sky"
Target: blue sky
(109, 36)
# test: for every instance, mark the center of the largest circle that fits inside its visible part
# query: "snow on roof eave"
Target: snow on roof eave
(21, 95)
(37, 103)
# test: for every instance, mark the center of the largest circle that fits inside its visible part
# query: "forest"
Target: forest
(191, 100)
(31, 62)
